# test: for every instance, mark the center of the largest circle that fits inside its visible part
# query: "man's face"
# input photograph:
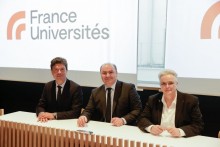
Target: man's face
(168, 84)
(59, 73)
(108, 74)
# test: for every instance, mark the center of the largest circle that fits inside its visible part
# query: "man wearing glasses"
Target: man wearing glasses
(171, 112)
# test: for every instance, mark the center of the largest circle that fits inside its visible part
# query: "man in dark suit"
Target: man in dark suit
(171, 111)
(125, 101)
(65, 103)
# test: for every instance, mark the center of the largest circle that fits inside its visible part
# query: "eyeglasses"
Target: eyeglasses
(163, 84)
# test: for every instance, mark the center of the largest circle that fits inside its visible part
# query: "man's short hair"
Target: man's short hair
(115, 67)
(58, 60)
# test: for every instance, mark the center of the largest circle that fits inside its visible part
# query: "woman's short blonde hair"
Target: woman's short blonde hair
(167, 72)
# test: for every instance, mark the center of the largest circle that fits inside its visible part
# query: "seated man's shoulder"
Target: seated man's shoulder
(125, 84)
(98, 89)
(72, 83)
(49, 84)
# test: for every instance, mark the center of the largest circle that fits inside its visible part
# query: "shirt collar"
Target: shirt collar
(174, 101)
(62, 85)
(112, 87)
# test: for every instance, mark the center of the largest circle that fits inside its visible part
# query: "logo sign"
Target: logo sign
(208, 21)
(54, 25)
(17, 16)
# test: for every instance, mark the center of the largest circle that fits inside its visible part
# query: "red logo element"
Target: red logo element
(17, 16)
(208, 20)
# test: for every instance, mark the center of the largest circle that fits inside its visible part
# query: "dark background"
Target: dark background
(24, 96)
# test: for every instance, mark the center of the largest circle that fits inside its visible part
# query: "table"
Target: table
(104, 134)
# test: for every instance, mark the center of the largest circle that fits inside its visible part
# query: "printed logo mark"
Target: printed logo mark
(21, 27)
(208, 20)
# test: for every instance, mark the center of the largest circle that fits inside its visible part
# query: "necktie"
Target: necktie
(59, 93)
(108, 107)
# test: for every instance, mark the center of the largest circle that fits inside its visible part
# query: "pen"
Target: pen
(85, 131)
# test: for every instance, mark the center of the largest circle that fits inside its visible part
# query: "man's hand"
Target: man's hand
(45, 116)
(117, 121)
(82, 120)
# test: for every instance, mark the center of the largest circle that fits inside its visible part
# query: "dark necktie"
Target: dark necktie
(59, 93)
(108, 107)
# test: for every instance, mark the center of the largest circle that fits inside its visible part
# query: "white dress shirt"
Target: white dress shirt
(168, 117)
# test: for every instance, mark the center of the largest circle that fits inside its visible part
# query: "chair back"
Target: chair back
(1, 112)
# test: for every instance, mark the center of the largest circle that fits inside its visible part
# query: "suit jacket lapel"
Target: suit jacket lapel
(103, 99)
(65, 92)
(53, 92)
(179, 107)
(159, 108)
(118, 88)
(53, 96)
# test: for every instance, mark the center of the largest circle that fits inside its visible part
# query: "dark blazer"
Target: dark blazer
(188, 116)
(126, 103)
(71, 101)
